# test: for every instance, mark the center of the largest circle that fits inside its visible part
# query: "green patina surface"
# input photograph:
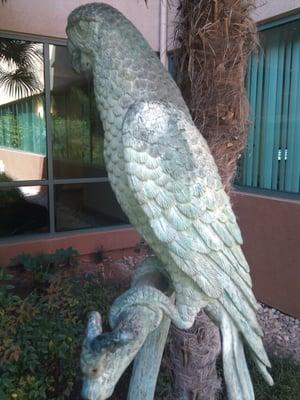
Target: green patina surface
(167, 183)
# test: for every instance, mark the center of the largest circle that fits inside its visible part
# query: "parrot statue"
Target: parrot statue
(166, 181)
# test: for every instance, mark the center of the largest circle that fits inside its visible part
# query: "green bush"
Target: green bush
(43, 265)
(41, 336)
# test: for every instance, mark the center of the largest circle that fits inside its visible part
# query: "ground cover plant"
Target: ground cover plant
(41, 335)
(41, 332)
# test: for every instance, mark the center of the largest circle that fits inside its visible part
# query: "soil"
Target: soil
(282, 333)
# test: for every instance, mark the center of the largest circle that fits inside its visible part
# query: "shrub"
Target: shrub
(41, 336)
(43, 265)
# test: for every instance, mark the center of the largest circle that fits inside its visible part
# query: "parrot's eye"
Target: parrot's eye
(81, 29)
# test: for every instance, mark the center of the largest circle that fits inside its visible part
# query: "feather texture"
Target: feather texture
(196, 226)
(167, 183)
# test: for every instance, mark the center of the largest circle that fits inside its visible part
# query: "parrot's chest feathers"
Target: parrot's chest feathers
(114, 160)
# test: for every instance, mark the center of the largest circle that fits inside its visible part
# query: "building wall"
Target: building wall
(49, 18)
(271, 231)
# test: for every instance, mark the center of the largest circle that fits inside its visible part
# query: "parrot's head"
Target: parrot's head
(81, 58)
(87, 28)
(80, 44)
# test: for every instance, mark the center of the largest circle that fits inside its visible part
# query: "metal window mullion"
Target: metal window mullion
(263, 26)
(49, 139)
(24, 183)
(33, 38)
(68, 181)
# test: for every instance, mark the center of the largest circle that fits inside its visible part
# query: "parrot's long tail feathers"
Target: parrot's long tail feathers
(236, 373)
(235, 369)
(263, 370)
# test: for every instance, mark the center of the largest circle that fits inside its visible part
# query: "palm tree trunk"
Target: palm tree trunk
(192, 356)
(214, 39)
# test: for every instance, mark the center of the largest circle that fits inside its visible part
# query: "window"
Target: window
(52, 172)
(272, 156)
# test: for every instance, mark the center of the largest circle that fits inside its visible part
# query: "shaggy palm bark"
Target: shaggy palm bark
(214, 40)
(193, 356)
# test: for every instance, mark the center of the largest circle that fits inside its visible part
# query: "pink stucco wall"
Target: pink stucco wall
(22, 165)
(49, 18)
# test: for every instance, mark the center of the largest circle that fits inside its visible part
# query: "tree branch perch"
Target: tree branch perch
(136, 328)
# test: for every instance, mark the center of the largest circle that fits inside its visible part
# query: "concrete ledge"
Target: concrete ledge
(83, 242)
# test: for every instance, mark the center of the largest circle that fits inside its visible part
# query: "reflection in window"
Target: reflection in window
(22, 121)
(86, 205)
(77, 129)
(23, 210)
(77, 145)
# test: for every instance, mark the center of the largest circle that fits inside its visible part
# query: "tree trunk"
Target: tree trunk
(213, 41)
(192, 356)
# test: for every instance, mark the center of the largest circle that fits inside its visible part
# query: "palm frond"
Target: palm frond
(19, 83)
(20, 53)
(18, 61)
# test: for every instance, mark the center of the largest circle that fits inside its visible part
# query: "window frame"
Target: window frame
(50, 181)
(278, 20)
(264, 26)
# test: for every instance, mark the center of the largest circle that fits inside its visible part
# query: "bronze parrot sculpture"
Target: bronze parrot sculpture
(166, 181)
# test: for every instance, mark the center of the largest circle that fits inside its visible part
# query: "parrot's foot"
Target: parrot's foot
(187, 315)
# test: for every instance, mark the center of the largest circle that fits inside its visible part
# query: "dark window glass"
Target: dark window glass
(86, 205)
(23, 210)
(77, 145)
(22, 111)
(77, 129)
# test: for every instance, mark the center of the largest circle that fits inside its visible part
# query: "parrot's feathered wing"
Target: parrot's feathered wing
(175, 181)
